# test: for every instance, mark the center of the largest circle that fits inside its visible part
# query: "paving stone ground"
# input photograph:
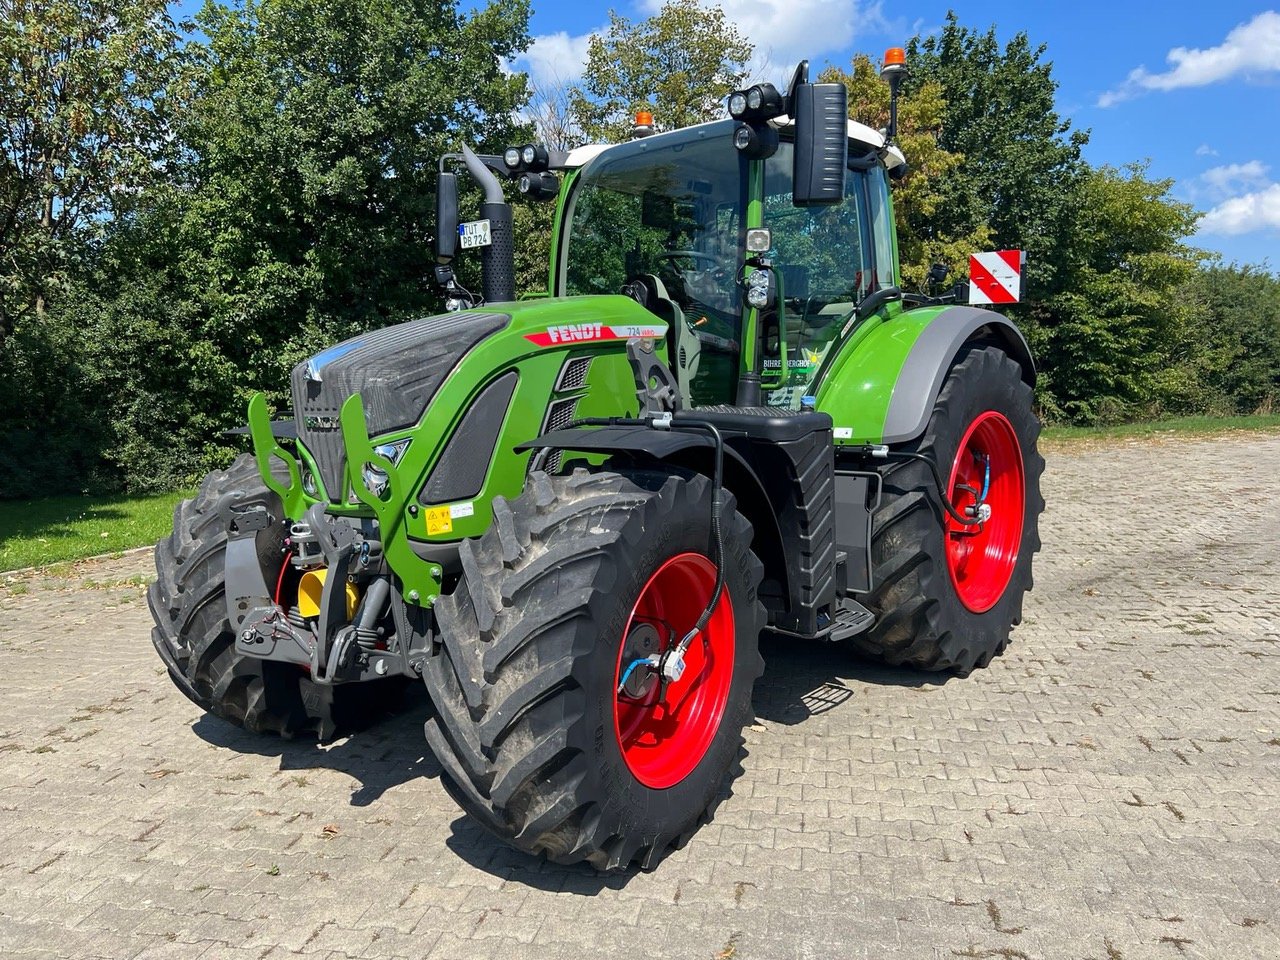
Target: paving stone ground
(1109, 789)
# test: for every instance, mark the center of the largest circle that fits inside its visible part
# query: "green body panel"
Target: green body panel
(857, 382)
(609, 391)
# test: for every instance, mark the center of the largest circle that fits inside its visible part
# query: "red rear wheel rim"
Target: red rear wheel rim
(981, 559)
(662, 741)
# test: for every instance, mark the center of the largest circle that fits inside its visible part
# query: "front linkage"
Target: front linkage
(350, 607)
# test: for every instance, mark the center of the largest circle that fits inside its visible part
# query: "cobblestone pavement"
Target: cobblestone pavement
(1107, 789)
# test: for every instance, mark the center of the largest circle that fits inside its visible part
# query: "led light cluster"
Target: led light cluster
(753, 108)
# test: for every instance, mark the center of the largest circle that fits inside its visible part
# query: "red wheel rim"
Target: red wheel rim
(663, 740)
(981, 559)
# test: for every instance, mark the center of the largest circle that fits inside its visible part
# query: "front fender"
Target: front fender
(883, 384)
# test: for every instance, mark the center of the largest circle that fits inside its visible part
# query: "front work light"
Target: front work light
(755, 141)
(756, 104)
(539, 186)
(759, 240)
(532, 156)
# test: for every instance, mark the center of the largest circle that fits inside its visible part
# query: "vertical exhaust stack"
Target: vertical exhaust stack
(498, 260)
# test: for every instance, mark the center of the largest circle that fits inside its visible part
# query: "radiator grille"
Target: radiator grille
(573, 375)
(560, 414)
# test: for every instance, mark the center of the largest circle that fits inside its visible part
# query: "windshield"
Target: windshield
(663, 221)
(822, 258)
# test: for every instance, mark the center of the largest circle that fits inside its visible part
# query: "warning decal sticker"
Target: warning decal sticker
(996, 277)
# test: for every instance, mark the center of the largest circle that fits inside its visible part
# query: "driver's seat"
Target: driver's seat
(683, 342)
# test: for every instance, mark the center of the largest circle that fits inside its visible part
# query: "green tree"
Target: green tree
(1123, 338)
(680, 64)
(1021, 160)
(314, 133)
(1236, 338)
(923, 237)
(296, 210)
(83, 96)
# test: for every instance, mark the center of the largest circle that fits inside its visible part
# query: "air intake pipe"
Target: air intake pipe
(498, 260)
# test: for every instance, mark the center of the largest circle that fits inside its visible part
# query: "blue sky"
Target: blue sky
(1193, 87)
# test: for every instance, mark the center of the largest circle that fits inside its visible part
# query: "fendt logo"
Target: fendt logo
(575, 331)
(578, 332)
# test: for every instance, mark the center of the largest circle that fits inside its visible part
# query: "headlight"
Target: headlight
(309, 485)
(374, 477)
(392, 451)
(528, 154)
(511, 157)
(758, 289)
(737, 105)
(376, 480)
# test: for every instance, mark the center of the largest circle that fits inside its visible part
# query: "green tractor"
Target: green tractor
(572, 516)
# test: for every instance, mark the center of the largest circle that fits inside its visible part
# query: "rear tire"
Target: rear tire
(536, 742)
(938, 607)
(194, 637)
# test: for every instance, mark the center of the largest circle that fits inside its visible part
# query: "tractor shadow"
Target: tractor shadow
(801, 679)
(386, 754)
(807, 678)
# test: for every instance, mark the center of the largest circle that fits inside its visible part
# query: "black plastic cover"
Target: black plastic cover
(446, 217)
(822, 143)
(459, 473)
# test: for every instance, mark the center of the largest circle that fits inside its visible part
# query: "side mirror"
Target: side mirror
(446, 217)
(821, 113)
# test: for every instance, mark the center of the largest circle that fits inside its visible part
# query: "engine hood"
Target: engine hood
(396, 371)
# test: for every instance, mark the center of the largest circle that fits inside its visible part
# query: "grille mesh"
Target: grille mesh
(574, 374)
(559, 415)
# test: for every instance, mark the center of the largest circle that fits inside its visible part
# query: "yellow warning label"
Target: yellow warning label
(439, 520)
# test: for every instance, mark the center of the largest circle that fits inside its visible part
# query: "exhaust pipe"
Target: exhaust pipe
(498, 260)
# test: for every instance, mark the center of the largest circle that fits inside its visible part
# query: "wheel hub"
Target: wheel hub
(666, 720)
(987, 484)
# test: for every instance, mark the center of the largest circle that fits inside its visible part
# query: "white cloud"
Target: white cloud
(1234, 178)
(785, 32)
(555, 59)
(1250, 48)
(1258, 210)
(1204, 150)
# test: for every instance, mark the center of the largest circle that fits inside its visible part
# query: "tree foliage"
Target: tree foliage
(1021, 162)
(83, 96)
(680, 64)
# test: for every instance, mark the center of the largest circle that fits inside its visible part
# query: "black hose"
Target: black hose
(717, 534)
(937, 479)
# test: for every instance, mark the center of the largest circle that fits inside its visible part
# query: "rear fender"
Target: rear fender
(883, 384)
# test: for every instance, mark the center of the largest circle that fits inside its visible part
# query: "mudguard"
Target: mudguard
(883, 384)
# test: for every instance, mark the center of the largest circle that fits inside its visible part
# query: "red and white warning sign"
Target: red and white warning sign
(996, 277)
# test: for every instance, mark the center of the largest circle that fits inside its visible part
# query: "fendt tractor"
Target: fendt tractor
(571, 515)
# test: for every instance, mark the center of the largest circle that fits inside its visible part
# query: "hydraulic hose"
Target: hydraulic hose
(882, 452)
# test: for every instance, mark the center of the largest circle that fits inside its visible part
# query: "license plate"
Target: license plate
(474, 234)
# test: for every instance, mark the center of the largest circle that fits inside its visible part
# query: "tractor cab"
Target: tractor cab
(664, 219)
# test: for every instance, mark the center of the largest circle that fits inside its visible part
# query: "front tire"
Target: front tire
(946, 597)
(195, 639)
(575, 580)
